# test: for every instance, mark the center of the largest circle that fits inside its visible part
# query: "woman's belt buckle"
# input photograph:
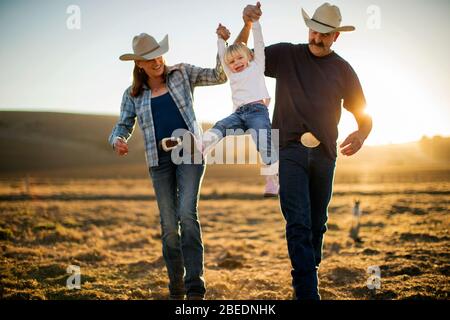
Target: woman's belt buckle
(168, 144)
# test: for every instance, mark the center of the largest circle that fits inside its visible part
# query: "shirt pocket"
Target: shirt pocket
(144, 113)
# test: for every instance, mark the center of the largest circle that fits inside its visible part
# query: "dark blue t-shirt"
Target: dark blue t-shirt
(166, 117)
(310, 92)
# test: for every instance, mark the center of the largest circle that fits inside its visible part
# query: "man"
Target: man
(312, 84)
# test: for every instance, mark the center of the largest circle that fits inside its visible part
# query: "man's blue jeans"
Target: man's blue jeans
(177, 189)
(306, 180)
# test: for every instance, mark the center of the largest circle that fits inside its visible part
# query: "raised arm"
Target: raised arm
(251, 13)
(259, 44)
(223, 34)
(205, 76)
(221, 48)
(244, 34)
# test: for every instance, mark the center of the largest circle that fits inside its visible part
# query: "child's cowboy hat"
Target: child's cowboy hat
(326, 19)
(145, 47)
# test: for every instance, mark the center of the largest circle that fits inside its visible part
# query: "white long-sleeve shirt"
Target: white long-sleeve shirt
(248, 85)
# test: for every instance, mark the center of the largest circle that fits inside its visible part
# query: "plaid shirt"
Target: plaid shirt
(181, 81)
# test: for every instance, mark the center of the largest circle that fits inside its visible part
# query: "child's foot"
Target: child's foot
(272, 186)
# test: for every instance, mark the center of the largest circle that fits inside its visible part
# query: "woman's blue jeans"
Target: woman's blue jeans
(177, 189)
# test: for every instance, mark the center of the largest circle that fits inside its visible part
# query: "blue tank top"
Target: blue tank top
(166, 117)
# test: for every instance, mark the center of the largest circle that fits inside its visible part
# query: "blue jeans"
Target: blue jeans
(306, 181)
(177, 189)
(251, 116)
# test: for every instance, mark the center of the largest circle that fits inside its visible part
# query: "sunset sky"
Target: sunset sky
(403, 65)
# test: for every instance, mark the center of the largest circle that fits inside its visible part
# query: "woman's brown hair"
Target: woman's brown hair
(140, 78)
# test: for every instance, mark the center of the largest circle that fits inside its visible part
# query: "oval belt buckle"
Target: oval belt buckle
(309, 140)
(170, 143)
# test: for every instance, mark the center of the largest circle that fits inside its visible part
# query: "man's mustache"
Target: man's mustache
(320, 44)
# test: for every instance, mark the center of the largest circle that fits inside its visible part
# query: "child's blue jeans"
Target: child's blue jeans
(252, 116)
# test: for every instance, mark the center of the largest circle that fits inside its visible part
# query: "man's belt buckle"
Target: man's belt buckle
(309, 140)
(170, 143)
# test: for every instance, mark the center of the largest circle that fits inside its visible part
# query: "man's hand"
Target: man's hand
(352, 144)
(252, 13)
(121, 147)
(223, 32)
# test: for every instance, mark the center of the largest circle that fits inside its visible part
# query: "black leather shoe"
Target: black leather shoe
(195, 297)
(176, 297)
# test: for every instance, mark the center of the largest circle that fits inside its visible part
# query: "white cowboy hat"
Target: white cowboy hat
(145, 47)
(326, 19)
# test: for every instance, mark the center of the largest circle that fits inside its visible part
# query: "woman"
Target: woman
(161, 99)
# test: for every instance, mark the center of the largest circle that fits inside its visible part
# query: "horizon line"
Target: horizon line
(202, 122)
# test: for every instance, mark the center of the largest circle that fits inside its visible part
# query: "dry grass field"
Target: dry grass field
(101, 215)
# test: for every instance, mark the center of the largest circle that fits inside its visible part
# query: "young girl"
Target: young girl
(245, 69)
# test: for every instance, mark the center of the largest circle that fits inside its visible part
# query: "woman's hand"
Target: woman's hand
(121, 147)
(223, 32)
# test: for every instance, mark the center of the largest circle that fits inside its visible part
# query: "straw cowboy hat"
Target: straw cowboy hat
(145, 47)
(326, 19)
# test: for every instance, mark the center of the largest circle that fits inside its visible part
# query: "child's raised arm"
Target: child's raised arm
(223, 32)
(223, 35)
(259, 44)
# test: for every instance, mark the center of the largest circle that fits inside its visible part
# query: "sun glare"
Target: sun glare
(402, 108)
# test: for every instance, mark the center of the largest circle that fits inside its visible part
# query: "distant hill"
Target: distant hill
(75, 145)
(45, 142)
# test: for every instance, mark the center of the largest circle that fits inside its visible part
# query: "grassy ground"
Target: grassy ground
(110, 228)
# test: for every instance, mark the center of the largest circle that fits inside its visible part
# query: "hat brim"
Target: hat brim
(318, 27)
(163, 48)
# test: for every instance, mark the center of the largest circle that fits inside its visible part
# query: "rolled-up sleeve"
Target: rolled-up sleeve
(206, 76)
(127, 119)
